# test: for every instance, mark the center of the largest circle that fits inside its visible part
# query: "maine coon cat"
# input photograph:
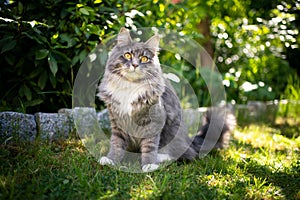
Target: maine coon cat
(144, 110)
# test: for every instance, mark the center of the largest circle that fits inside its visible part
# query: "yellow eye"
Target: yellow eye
(144, 59)
(127, 56)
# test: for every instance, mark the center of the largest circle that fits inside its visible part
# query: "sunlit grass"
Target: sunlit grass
(261, 163)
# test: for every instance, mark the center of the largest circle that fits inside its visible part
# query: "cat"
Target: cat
(144, 109)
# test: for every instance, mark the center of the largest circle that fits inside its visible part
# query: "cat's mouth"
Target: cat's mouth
(133, 73)
(134, 69)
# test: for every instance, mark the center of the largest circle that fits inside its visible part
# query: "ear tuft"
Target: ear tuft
(124, 36)
(153, 42)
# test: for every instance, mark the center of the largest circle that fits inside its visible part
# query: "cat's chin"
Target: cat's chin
(134, 76)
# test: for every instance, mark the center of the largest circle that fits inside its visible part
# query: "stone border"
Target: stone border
(19, 127)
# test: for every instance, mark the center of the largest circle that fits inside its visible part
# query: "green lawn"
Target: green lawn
(261, 163)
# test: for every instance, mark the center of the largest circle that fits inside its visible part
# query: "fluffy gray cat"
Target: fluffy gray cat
(145, 111)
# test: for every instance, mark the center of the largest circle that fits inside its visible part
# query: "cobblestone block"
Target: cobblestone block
(103, 119)
(53, 126)
(17, 127)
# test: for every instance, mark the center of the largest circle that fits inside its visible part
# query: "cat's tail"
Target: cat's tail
(217, 125)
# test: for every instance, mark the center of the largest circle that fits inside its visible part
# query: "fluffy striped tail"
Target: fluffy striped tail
(217, 125)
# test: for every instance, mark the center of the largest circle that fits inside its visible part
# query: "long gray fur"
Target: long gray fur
(145, 111)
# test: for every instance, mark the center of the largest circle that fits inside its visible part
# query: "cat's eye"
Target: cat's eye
(144, 59)
(127, 56)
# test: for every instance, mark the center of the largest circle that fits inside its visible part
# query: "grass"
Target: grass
(261, 163)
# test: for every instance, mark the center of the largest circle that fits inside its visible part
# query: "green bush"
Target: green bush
(43, 43)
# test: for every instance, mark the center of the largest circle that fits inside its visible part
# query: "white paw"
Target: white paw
(106, 161)
(161, 157)
(150, 167)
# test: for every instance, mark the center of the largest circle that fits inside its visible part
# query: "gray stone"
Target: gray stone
(17, 127)
(243, 114)
(88, 126)
(66, 111)
(256, 109)
(271, 112)
(257, 112)
(53, 126)
(89, 113)
(104, 121)
(85, 120)
(69, 113)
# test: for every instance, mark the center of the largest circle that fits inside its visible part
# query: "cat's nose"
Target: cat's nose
(135, 65)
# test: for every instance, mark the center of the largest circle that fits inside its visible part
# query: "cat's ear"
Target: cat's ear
(124, 36)
(153, 42)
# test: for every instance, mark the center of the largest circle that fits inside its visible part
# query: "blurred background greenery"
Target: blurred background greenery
(255, 45)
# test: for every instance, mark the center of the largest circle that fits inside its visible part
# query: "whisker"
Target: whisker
(153, 78)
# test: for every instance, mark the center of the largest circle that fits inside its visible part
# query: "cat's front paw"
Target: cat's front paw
(106, 161)
(150, 167)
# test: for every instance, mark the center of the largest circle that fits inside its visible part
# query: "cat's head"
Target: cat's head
(134, 61)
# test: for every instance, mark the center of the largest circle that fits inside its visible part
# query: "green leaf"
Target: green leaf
(5, 39)
(20, 62)
(37, 36)
(10, 59)
(20, 8)
(41, 54)
(43, 80)
(65, 37)
(27, 92)
(61, 56)
(33, 37)
(77, 30)
(9, 46)
(52, 64)
(53, 80)
(34, 73)
(84, 11)
(34, 102)
(83, 54)
(93, 29)
(75, 60)
(21, 91)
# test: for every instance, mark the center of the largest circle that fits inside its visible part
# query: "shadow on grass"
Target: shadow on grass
(289, 131)
(288, 127)
(251, 179)
(288, 181)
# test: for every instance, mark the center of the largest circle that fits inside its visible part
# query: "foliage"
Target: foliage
(41, 51)
(261, 163)
(43, 43)
(290, 108)
(251, 48)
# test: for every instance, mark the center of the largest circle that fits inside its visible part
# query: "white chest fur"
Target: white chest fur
(125, 93)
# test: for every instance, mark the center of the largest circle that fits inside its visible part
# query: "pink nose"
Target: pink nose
(135, 65)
